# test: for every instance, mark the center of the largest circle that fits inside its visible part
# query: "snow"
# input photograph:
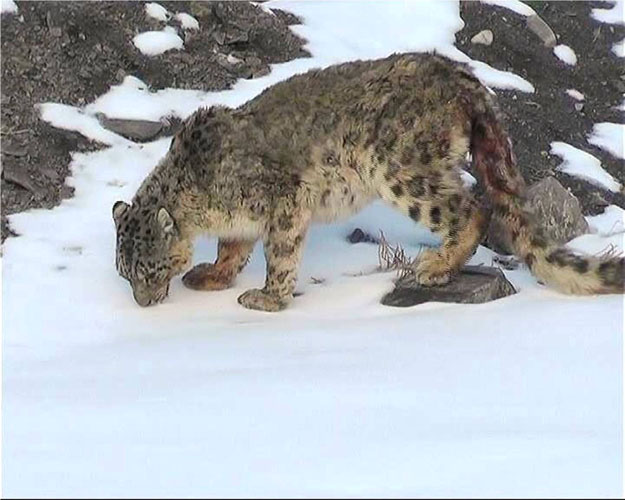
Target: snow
(153, 43)
(8, 6)
(156, 11)
(133, 100)
(565, 54)
(609, 136)
(613, 15)
(583, 165)
(610, 222)
(467, 179)
(619, 48)
(187, 21)
(71, 118)
(575, 94)
(513, 5)
(336, 396)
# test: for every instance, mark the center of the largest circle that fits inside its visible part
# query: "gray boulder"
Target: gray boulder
(558, 213)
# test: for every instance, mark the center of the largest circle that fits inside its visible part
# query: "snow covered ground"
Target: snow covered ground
(583, 165)
(565, 54)
(338, 395)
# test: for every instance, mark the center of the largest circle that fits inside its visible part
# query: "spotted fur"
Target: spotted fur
(320, 146)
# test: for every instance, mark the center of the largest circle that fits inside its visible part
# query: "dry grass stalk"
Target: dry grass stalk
(393, 258)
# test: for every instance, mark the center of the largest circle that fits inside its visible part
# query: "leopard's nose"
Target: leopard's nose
(142, 299)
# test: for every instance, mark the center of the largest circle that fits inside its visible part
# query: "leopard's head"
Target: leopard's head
(150, 250)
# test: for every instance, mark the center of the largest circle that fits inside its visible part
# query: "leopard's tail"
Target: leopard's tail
(555, 265)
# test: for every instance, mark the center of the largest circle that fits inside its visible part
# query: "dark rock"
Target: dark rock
(136, 130)
(20, 178)
(359, 236)
(474, 285)
(558, 213)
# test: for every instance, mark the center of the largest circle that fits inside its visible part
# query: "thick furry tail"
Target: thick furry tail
(555, 265)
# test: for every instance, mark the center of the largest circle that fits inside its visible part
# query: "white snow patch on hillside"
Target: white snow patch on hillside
(613, 15)
(8, 6)
(609, 136)
(514, 5)
(494, 77)
(610, 222)
(575, 94)
(565, 54)
(153, 43)
(393, 34)
(187, 21)
(619, 48)
(336, 396)
(156, 11)
(72, 118)
(132, 99)
(583, 165)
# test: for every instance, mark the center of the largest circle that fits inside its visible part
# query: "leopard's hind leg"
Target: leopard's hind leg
(440, 201)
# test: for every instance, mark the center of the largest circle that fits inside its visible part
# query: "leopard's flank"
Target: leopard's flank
(320, 146)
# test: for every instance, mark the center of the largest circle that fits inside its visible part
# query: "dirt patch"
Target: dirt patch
(549, 114)
(72, 52)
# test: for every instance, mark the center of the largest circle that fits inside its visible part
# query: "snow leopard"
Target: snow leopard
(322, 145)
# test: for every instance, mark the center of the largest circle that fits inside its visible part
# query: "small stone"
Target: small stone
(139, 130)
(233, 60)
(20, 178)
(473, 285)
(359, 236)
(234, 65)
(219, 37)
(541, 29)
(484, 37)
(237, 36)
(262, 71)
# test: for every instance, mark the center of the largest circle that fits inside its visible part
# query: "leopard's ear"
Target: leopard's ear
(119, 209)
(165, 220)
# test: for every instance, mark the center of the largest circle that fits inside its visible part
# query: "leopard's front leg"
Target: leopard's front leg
(283, 246)
(232, 256)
